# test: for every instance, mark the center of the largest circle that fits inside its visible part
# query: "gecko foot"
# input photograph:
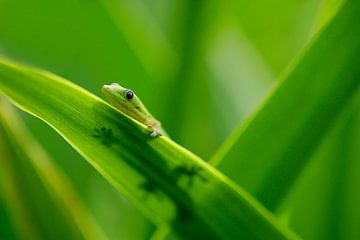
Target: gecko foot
(154, 132)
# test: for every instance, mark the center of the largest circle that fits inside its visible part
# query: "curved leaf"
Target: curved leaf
(168, 183)
(266, 155)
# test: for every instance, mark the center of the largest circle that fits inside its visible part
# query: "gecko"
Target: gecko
(126, 101)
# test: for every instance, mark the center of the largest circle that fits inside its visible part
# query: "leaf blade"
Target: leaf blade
(124, 153)
(275, 145)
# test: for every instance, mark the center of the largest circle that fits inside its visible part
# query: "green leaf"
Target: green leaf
(267, 154)
(168, 183)
(151, 46)
(323, 203)
(279, 28)
(6, 228)
(35, 190)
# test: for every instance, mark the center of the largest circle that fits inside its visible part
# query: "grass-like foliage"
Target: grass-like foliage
(170, 184)
(254, 182)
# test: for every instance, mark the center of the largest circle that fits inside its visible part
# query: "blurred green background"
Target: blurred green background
(201, 67)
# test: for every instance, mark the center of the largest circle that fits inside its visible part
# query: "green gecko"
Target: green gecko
(127, 102)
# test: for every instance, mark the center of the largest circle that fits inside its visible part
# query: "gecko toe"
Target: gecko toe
(154, 134)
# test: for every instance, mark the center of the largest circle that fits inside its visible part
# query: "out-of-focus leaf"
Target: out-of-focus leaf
(240, 76)
(218, 61)
(327, 12)
(324, 202)
(38, 197)
(229, 57)
(168, 183)
(7, 230)
(150, 43)
(267, 153)
(91, 50)
(279, 29)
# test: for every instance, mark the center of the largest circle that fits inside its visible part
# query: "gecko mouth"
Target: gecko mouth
(105, 88)
(106, 91)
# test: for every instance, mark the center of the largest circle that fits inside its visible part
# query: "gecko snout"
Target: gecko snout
(105, 88)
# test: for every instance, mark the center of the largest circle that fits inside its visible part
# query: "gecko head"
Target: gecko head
(123, 98)
(116, 92)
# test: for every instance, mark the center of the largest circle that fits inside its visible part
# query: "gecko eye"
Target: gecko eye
(129, 94)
